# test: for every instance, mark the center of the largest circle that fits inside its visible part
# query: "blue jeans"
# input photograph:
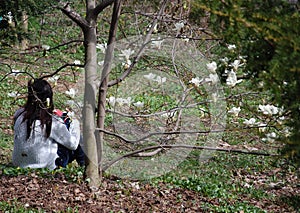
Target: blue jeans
(66, 156)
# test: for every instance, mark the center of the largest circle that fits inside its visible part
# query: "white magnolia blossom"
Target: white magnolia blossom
(73, 103)
(232, 79)
(45, 47)
(179, 26)
(214, 97)
(250, 122)
(185, 39)
(101, 47)
(101, 63)
(121, 101)
(126, 64)
(235, 111)
(13, 94)
(231, 47)
(54, 79)
(154, 28)
(126, 53)
(213, 79)
(157, 43)
(270, 137)
(9, 16)
(71, 92)
(224, 60)
(138, 104)
(135, 185)
(169, 114)
(262, 127)
(77, 62)
(212, 67)
(268, 109)
(157, 78)
(196, 81)
(236, 64)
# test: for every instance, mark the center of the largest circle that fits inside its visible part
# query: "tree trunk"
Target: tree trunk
(24, 41)
(105, 76)
(90, 41)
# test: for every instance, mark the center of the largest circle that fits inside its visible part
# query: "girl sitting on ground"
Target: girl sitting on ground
(40, 135)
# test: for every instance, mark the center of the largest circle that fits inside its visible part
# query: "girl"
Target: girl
(38, 132)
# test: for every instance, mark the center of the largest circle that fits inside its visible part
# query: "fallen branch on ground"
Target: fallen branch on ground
(176, 146)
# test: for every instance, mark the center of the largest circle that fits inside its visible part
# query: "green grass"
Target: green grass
(223, 178)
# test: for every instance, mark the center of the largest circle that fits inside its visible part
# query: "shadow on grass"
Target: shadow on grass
(292, 201)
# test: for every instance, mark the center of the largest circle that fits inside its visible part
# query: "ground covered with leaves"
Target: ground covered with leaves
(56, 192)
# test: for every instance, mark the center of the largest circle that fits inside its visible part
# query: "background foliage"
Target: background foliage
(267, 33)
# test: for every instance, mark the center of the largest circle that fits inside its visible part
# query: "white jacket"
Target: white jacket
(38, 151)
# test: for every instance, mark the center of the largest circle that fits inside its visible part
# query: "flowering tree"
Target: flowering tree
(167, 96)
(266, 33)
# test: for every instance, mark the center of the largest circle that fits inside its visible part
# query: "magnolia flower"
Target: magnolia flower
(224, 60)
(54, 79)
(270, 137)
(45, 47)
(262, 127)
(77, 62)
(214, 97)
(196, 81)
(112, 101)
(268, 109)
(236, 64)
(235, 111)
(154, 28)
(71, 92)
(179, 26)
(126, 64)
(138, 104)
(213, 78)
(135, 185)
(185, 39)
(232, 79)
(156, 78)
(13, 94)
(101, 63)
(169, 114)
(212, 67)
(157, 43)
(161, 79)
(71, 103)
(250, 122)
(231, 46)
(121, 101)
(9, 16)
(150, 76)
(101, 47)
(126, 53)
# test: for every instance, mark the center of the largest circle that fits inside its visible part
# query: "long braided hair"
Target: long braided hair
(39, 105)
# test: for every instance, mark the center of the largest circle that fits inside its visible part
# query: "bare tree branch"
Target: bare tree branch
(141, 50)
(183, 146)
(105, 76)
(100, 7)
(14, 72)
(151, 134)
(62, 67)
(77, 18)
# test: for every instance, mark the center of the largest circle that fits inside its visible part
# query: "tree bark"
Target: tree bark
(90, 41)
